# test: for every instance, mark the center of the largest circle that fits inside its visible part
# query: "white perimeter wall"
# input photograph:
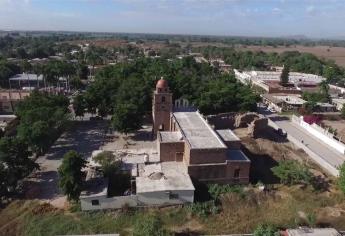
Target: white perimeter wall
(321, 134)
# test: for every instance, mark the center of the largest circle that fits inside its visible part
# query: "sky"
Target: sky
(312, 18)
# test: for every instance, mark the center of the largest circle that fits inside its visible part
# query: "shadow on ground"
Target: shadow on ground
(272, 135)
(83, 137)
(260, 168)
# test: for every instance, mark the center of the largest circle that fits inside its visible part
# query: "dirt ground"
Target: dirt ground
(266, 151)
(339, 125)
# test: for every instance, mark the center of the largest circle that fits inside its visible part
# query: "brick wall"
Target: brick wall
(171, 151)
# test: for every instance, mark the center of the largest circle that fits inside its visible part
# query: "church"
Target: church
(183, 135)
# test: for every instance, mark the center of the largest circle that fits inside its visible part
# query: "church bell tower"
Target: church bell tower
(161, 107)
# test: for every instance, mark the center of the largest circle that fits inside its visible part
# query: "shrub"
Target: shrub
(292, 172)
(216, 190)
(149, 226)
(311, 119)
(266, 230)
(203, 209)
(341, 180)
(108, 163)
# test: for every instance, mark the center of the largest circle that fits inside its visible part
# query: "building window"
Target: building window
(237, 173)
(161, 127)
(95, 202)
(163, 99)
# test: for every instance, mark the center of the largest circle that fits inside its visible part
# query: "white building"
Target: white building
(153, 184)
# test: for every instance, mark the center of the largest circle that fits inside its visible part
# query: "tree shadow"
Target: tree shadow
(201, 193)
(142, 135)
(320, 183)
(187, 232)
(272, 135)
(260, 168)
(279, 118)
(44, 186)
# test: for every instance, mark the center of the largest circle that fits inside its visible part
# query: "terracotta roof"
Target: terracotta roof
(162, 83)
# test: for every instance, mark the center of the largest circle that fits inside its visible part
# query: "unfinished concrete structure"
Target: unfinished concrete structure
(208, 155)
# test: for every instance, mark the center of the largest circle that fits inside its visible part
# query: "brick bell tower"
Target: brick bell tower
(161, 107)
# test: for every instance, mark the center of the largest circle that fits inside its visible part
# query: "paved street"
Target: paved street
(84, 137)
(326, 152)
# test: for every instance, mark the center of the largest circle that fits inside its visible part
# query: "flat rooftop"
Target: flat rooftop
(236, 155)
(289, 99)
(23, 77)
(197, 132)
(166, 176)
(170, 137)
(227, 135)
(338, 100)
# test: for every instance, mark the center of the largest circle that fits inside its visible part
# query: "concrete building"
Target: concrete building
(9, 98)
(188, 148)
(208, 155)
(282, 103)
(290, 102)
(338, 103)
(154, 184)
(269, 81)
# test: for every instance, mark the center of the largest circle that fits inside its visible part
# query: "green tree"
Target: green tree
(266, 230)
(343, 112)
(149, 226)
(42, 118)
(15, 163)
(71, 175)
(79, 105)
(292, 172)
(127, 118)
(109, 164)
(324, 90)
(341, 180)
(284, 77)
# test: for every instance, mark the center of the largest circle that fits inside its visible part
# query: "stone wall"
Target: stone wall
(168, 151)
(205, 156)
(243, 120)
(221, 173)
(222, 121)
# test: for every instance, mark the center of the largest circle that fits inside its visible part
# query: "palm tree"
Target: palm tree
(324, 89)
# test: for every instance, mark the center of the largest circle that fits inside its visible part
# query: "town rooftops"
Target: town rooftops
(170, 137)
(198, 134)
(338, 101)
(166, 176)
(27, 77)
(289, 99)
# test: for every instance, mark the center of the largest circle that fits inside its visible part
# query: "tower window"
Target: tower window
(163, 99)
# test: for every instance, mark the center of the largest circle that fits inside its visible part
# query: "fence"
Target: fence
(320, 133)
